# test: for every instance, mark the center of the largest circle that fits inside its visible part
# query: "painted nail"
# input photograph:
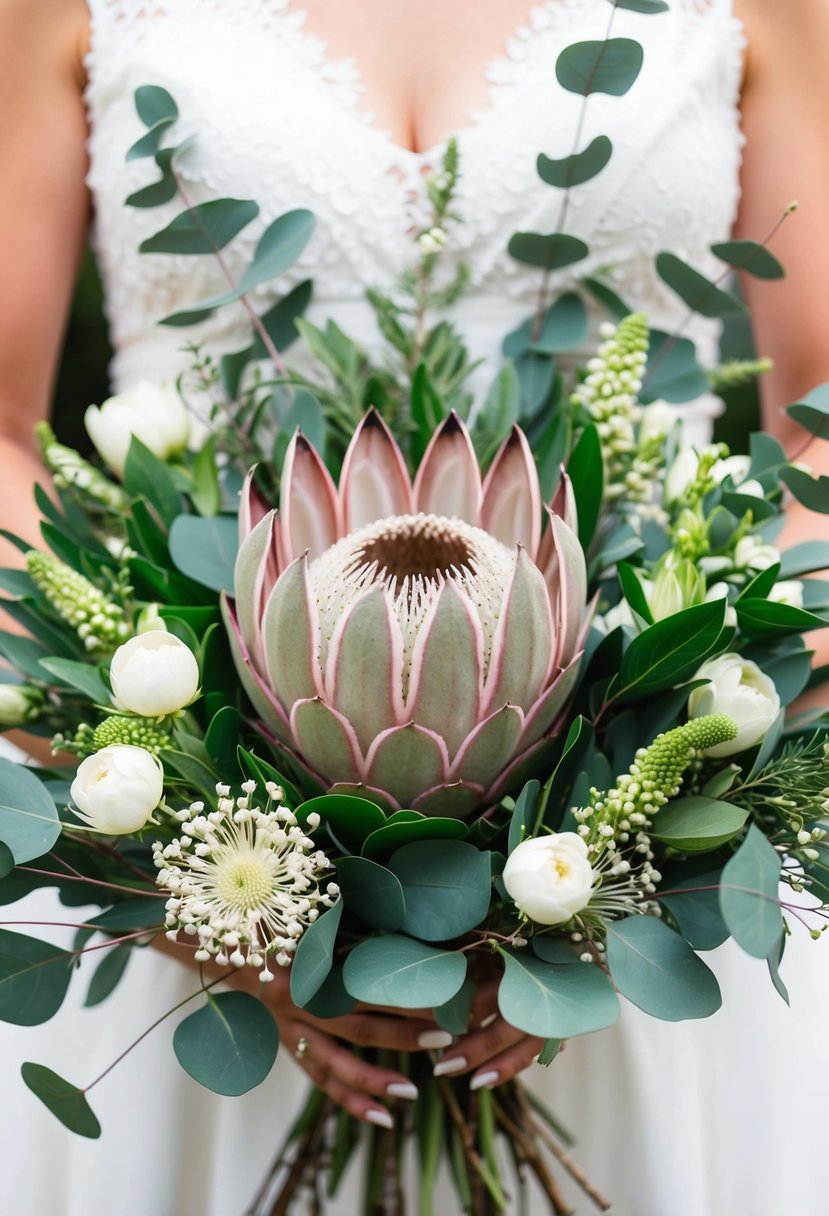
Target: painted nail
(435, 1039)
(446, 1066)
(402, 1089)
(381, 1117)
(482, 1080)
(488, 1021)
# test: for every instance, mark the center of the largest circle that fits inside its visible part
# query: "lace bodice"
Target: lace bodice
(279, 121)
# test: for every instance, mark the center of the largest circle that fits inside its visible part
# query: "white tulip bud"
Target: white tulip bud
(752, 554)
(549, 877)
(719, 591)
(681, 474)
(154, 413)
(789, 591)
(117, 789)
(737, 688)
(19, 704)
(154, 674)
(735, 467)
(752, 488)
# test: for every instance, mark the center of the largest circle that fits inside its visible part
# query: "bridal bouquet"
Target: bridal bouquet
(411, 694)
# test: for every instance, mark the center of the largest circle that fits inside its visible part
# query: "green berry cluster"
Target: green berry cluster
(135, 732)
(98, 620)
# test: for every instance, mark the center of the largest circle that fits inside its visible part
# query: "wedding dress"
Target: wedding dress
(719, 1118)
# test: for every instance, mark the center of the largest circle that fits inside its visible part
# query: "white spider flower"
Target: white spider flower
(243, 881)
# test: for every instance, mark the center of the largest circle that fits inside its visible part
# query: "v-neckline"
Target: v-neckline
(544, 14)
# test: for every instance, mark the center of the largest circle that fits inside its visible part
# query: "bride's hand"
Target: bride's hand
(495, 1051)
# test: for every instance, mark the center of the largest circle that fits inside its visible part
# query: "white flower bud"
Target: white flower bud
(117, 789)
(752, 554)
(681, 474)
(150, 619)
(155, 413)
(737, 688)
(549, 877)
(19, 703)
(789, 591)
(735, 467)
(154, 674)
(752, 488)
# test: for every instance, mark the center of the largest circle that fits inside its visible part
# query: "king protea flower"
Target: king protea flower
(412, 643)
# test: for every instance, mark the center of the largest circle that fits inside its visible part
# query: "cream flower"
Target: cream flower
(737, 688)
(549, 877)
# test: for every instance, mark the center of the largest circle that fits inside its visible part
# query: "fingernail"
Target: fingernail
(381, 1117)
(488, 1021)
(446, 1066)
(482, 1079)
(435, 1039)
(402, 1089)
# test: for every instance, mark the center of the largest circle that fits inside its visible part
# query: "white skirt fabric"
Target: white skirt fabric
(717, 1118)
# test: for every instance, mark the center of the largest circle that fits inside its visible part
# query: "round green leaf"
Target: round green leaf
(813, 492)
(154, 104)
(401, 972)
(610, 66)
(6, 860)
(108, 974)
(29, 823)
(564, 327)
(204, 548)
(697, 910)
(813, 411)
(398, 832)
(555, 1002)
(697, 824)
(673, 373)
(331, 1000)
(454, 1015)
(647, 7)
(578, 168)
(447, 887)
(34, 977)
(657, 970)
(229, 1045)
(749, 895)
(749, 256)
(65, 1101)
(552, 251)
(204, 228)
(351, 819)
(698, 292)
(372, 893)
(314, 955)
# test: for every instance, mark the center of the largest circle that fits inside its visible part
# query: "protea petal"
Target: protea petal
(446, 682)
(364, 673)
(448, 481)
(325, 739)
(358, 789)
(490, 747)
(259, 695)
(290, 633)
(252, 506)
(550, 704)
(374, 482)
(522, 649)
(511, 509)
(564, 502)
(309, 507)
(453, 801)
(253, 578)
(569, 592)
(405, 761)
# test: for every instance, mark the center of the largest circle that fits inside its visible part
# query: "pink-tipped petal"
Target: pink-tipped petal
(543, 714)
(448, 481)
(252, 506)
(325, 739)
(290, 632)
(522, 649)
(446, 683)
(259, 695)
(569, 596)
(406, 761)
(364, 674)
(490, 747)
(253, 579)
(511, 509)
(454, 801)
(358, 789)
(374, 482)
(309, 506)
(564, 502)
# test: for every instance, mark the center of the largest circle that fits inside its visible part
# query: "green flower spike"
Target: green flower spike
(99, 621)
(69, 469)
(135, 732)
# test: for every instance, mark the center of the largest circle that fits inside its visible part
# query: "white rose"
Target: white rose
(549, 877)
(117, 789)
(737, 688)
(154, 674)
(155, 413)
(789, 591)
(19, 703)
(735, 467)
(752, 554)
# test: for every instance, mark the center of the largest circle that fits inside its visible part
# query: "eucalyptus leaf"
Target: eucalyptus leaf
(695, 290)
(805, 558)
(454, 1015)
(447, 886)
(204, 228)
(555, 1002)
(695, 904)
(34, 978)
(610, 66)
(813, 411)
(65, 1101)
(372, 893)
(749, 895)
(552, 251)
(204, 548)
(648, 7)
(697, 824)
(673, 372)
(352, 819)
(579, 167)
(108, 974)
(6, 860)
(657, 970)
(749, 256)
(154, 104)
(813, 492)
(29, 823)
(314, 955)
(403, 973)
(229, 1045)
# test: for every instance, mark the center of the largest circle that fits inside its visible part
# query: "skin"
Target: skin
(418, 87)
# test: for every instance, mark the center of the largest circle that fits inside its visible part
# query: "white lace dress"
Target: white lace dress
(719, 1118)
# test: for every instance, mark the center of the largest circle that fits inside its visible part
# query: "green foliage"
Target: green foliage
(657, 970)
(314, 955)
(672, 650)
(29, 824)
(34, 978)
(610, 66)
(748, 895)
(108, 974)
(813, 411)
(584, 469)
(446, 887)
(698, 292)
(555, 1002)
(204, 548)
(697, 824)
(404, 973)
(65, 1101)
(551, 252)
(229, 1045)
(578, 168)
(204, 228)
(673, 373)
(750, 257)
(372, 893)
(695, 905)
